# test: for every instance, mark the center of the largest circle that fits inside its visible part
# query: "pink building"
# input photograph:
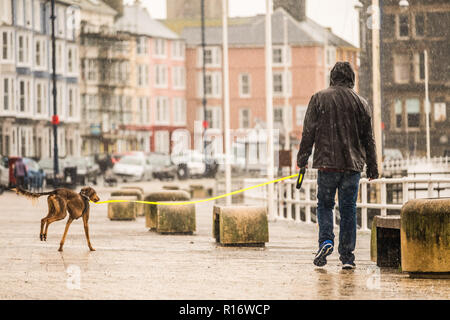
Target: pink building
(299, 70)
(158, 79)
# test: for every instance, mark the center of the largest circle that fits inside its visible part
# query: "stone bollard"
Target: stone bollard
(122, 210)
(171, 187)
(134, 188)
(178, 219)
(151, 220)
(197, 191)
(425, 237)
(132, 193)
(240, 225)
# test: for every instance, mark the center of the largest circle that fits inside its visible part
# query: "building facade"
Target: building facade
(405, 34)
(158, 81)
(300, 68)
(26, 106)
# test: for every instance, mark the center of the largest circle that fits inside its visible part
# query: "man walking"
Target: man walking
(338, 122)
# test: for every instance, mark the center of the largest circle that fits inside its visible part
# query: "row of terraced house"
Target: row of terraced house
(128, 82)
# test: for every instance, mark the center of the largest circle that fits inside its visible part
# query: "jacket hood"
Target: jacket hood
(342, 74)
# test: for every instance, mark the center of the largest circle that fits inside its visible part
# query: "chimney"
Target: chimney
(296, 8)
(116, 5)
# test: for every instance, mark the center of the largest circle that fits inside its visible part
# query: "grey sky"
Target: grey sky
(340, 15)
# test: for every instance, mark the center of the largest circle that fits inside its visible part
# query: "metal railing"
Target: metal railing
(376, 197)
(437, 162)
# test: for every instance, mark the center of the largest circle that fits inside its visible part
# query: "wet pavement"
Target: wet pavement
(131, 262)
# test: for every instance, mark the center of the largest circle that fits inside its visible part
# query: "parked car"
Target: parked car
(85, 173)
(46, 164)
(4, 174)
(392, 154)
(190, 164)
(162, 166)
(132, 168)
(35, 175)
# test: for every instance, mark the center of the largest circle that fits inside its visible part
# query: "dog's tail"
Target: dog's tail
(31, 195)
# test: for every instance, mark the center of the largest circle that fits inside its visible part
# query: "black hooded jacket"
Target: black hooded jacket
(338, 122)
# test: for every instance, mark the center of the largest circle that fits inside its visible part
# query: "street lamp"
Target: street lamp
(55, 119)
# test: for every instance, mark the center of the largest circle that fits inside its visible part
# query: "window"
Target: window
(419, 22)
(144, 110)
(179, 77)
(23, 49)
(401, 68)
(162, 143)
(331, 56)
(213, 116)
(281, 83)
(244, 85)
(179, 111)
(40, 53)
(278, 115)
(41, 98)
(90, 69)
(244, 118)
(212, 57)
(8, 94)
(419, 66)
(142, 75)
(413, 111)
(59, 56)
(403, 26)
(159, 47)
(162, 110)
(7, 46)
(24, 95)
(300, 112)
(178, 49)
(72, 60)
(213, 84)
(398, 108)
(278, 55)
(161, 76)
(141, 45)
(72, 102)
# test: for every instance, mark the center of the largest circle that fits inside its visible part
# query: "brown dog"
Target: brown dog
(59, 202)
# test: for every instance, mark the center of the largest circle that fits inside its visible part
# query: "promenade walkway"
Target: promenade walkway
(133, 263)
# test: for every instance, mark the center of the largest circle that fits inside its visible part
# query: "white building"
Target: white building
(26, 104)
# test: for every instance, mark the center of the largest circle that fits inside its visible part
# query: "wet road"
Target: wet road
(133, 263)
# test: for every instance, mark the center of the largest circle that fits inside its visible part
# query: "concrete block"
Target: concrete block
(160, 196)
(122, 210)
(240, 225)
(385, 241)
(174, 218)
(132, 192)
(425, 236)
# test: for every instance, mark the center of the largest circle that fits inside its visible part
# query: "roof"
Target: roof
(137, 20)
(307, 32)
(93, 5)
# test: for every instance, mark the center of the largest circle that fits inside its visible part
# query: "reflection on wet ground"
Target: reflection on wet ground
(133, 263)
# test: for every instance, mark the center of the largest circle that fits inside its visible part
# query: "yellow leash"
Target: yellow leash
(202, 200)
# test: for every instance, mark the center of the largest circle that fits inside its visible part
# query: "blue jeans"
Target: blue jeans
(347, 184)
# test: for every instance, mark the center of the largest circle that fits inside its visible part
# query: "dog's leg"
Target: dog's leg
(41, 235)
(65, 234)
(59, 213)
(86, 231)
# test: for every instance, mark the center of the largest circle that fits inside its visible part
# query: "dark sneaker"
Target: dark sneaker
(348, 266)
(325, 249)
